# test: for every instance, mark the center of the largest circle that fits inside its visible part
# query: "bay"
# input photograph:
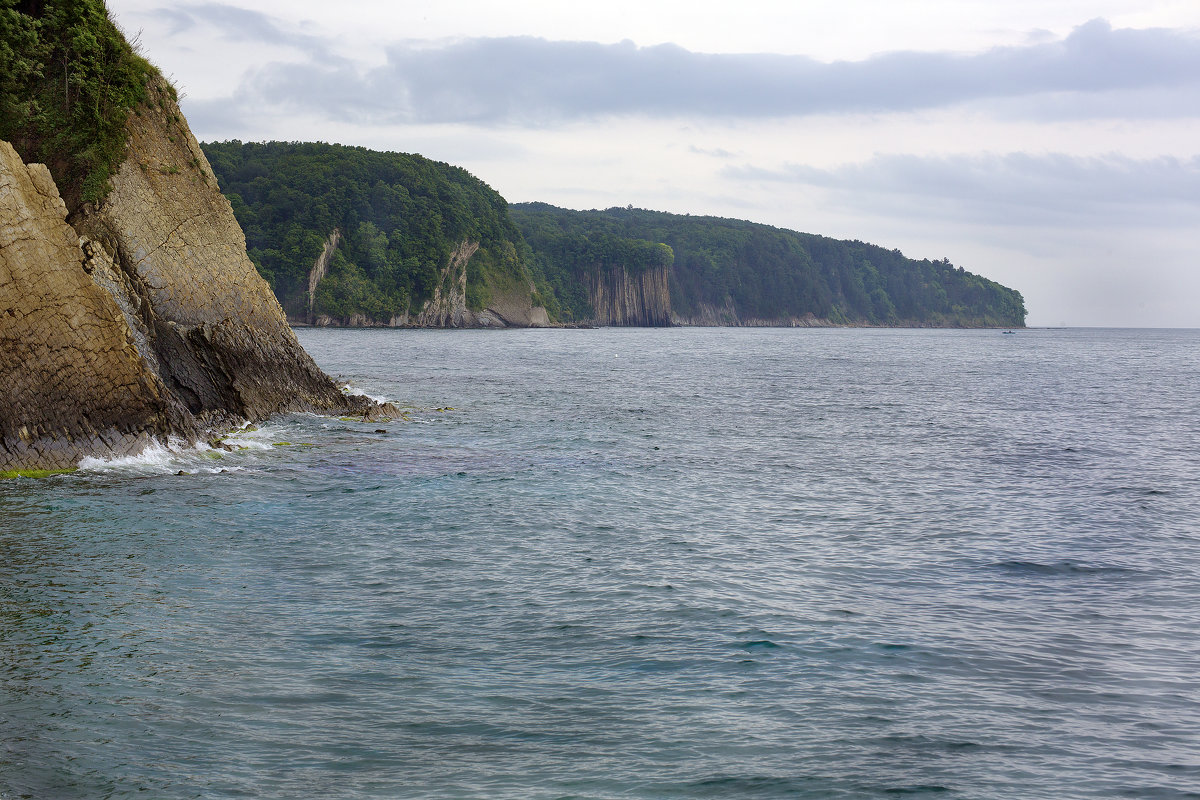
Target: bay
(628, 563)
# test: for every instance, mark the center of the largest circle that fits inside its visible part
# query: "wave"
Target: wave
(176, 455)
(354, 391)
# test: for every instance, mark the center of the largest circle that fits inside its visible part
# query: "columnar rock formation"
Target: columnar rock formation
(641, 299)
(141, 318)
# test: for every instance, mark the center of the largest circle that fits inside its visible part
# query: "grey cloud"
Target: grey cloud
(525, 80)
(177, 21)
(239, 24)
(1016, 188)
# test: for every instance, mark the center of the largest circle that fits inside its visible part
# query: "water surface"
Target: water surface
(678, 563)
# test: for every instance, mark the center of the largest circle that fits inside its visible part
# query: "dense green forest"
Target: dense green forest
(68, 82)
(400, 217)
(743, 271)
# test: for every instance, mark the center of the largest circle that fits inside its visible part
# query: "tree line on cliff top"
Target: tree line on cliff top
(402, 215)
(728, 270)
(68, 82)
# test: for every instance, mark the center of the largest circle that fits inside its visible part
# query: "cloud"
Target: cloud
(532, 81)
(1010, 189)
(717, 152)
(238, 25)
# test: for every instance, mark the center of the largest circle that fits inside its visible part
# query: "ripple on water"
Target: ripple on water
(860, 564)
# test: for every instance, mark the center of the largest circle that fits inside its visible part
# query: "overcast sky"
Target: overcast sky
(1051, 145)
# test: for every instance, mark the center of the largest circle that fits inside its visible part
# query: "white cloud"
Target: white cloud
(1011, 189)
(1055, 155)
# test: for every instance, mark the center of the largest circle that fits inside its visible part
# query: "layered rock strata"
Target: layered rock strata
(143, 317)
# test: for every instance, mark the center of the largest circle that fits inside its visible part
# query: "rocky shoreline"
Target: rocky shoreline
(141, 318)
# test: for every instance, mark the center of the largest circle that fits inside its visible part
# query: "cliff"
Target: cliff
(423, 243)
(320, 269)
(505, 304)
(138, 316)
(734, 272)
(73, 380)
(619, 298)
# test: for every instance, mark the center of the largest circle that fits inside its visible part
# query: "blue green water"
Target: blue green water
(681, 563)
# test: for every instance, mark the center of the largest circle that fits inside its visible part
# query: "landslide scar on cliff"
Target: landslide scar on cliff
(320, 269)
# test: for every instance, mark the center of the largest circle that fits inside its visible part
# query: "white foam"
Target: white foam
(247, 438)
(354, 391)
(155, 458)
(159, 459)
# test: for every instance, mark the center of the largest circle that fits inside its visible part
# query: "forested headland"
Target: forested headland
(68, 82)
(396, 220)
(398, 217)
(731, 272)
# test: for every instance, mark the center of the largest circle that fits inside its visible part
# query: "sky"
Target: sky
(1050, 145)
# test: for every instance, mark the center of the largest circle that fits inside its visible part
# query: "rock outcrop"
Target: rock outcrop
(320, 269)
(509, 305)
(74, 381)
(619, 298)
(143, 317)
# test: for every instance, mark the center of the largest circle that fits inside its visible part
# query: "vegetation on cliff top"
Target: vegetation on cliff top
(401, 217)
(729, 270)
(569, 260)
(68, 82)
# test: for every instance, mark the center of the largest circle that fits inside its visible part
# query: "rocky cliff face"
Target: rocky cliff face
(74, 381)
(320, 269)
(507, 306)
(620, 298)
(726, 316)
(143, 317)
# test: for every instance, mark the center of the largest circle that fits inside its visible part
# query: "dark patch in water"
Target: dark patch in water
(748, 786)
(924, 789)
(1135, 490)
(759, 644)
(1062, 568)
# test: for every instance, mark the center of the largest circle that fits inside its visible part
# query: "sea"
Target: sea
(632, 563)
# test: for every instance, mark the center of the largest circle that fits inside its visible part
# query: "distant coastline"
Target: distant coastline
(358, 238)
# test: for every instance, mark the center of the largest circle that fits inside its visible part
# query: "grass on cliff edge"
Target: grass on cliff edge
(68, 82)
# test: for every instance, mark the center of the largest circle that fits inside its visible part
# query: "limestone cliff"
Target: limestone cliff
(620, 298)
(508, 304)
(144, 316)
(320, 269)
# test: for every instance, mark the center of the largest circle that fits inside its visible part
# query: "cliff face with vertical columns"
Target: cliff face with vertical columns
(139, 317)
(621, 298)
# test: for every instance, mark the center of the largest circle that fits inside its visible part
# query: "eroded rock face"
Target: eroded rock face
(222, 341)
(142, 318)
(640, 299)
(507, 306)
(72, 382)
